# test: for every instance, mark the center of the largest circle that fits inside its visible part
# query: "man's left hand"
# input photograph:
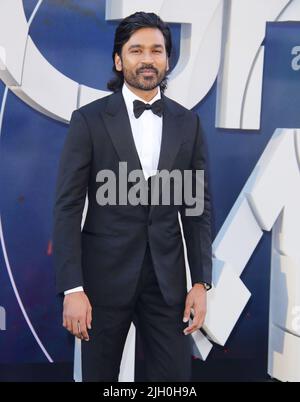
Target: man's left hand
(195, 301)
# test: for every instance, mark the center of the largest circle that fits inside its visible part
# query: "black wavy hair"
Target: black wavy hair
(127, 27)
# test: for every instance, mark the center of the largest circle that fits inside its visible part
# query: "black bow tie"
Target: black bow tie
(139, 107)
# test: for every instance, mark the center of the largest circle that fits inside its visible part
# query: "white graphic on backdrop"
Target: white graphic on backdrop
(4, 30)
(240, 30)
(270, 200)
(281, 210)
(241, 72)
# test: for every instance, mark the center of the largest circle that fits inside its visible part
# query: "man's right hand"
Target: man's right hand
(77, 314)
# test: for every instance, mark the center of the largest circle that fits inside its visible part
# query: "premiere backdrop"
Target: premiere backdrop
(76, 38)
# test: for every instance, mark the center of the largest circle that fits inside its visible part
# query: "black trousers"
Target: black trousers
(167, 350)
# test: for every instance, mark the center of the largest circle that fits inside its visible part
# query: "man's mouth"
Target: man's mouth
(147, 72)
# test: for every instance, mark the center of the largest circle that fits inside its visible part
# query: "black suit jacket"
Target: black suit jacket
(107, 255)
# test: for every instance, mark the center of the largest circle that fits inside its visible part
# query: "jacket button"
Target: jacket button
(150, 222)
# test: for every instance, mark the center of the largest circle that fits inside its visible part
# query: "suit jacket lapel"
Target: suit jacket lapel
(117, 123)
(171, 137)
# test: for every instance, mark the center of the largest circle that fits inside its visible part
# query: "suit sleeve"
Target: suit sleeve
(197, 228)
(71, 189)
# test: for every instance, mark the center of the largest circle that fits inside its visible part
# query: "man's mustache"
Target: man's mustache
(151, 68)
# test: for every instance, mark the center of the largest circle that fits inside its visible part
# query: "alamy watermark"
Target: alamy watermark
(175, 187)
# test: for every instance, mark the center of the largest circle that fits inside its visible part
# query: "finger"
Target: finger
(189, 330)
(199, 318)
(89, 318)
(198, 311)
(187, 312)
(191, 327)
(76, 330)
(68, 324)
(83, 330)
(194, 325)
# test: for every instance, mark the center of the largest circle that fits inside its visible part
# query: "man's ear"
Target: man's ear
(118, 62)
(168, 64)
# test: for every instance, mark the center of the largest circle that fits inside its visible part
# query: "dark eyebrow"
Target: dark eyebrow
(140, 46)
(134, 47)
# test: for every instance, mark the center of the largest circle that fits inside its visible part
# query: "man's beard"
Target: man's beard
(138, 81)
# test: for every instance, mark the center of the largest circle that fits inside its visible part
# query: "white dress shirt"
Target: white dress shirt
(147, 132)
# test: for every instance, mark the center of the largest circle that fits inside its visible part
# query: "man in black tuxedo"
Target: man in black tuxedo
(127, 264)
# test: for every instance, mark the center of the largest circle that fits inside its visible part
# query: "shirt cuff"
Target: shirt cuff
(78, 289)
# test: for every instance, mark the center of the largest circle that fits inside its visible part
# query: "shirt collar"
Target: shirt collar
(129, 97)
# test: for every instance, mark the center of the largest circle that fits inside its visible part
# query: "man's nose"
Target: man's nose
(147, 58)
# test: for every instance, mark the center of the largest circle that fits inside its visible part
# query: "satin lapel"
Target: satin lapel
(171, 137)
(117, 123)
